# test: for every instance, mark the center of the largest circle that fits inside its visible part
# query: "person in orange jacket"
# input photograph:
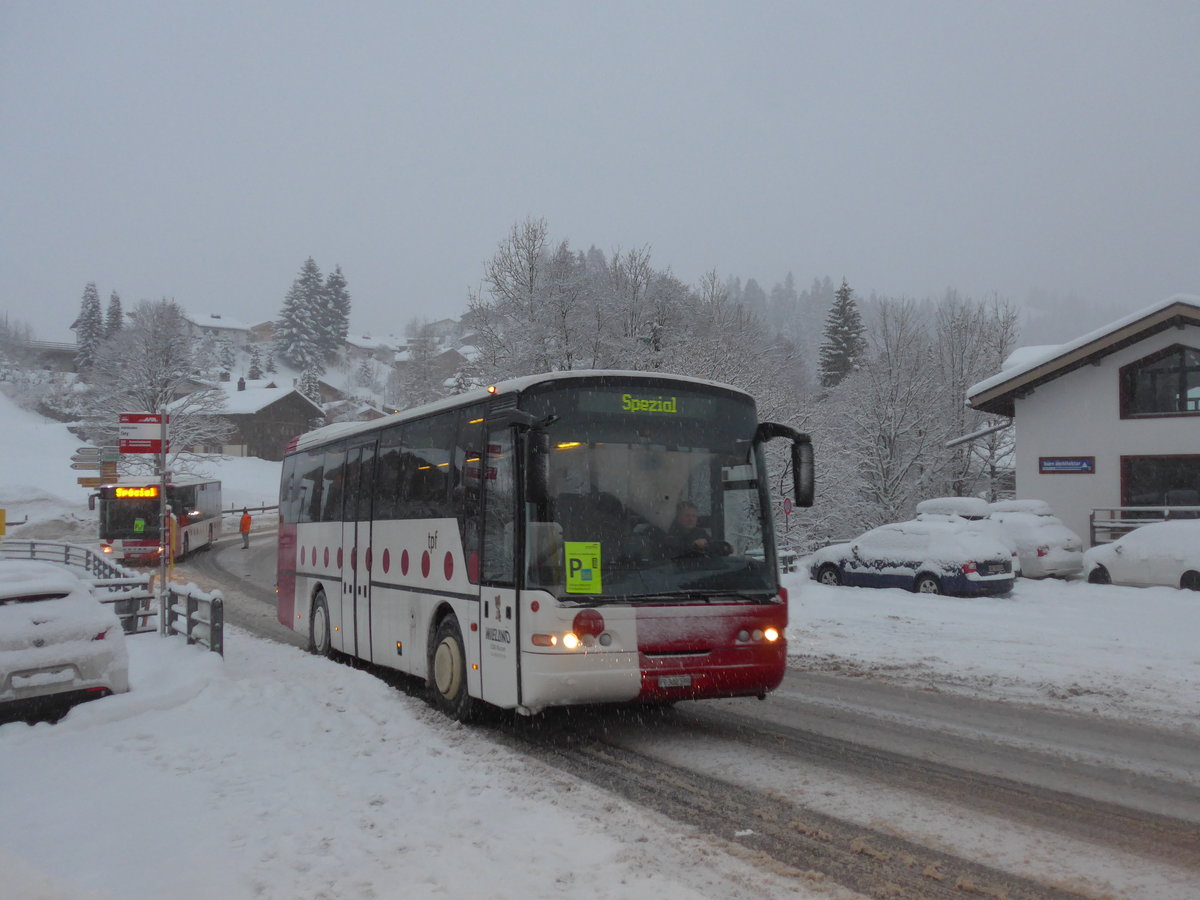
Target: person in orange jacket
(244, 528)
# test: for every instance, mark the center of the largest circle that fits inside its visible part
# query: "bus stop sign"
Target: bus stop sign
(141, 432)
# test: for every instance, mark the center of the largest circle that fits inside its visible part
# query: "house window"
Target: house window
(1164, 384)
(1160, 480)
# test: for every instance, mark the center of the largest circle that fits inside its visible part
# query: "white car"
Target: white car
(974, 512)
(58, 644)
(1163, 553)
(1046, 547)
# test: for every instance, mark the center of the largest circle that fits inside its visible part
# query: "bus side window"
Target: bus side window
(499, 551)
(335, 480)
(467, 464)
(309, 487)
(426, 491)
(387, 474)
(287, 491)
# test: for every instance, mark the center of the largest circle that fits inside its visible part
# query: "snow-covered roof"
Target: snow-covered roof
(1031, 366)
(257, 396)
(366, 342)
(219, 320)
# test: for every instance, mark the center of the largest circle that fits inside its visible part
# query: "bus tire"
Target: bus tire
(319, 633)
(448, 672)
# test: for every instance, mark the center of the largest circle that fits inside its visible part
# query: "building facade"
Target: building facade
(1111, 419)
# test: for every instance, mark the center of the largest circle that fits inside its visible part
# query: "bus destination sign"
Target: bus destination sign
(149, 492)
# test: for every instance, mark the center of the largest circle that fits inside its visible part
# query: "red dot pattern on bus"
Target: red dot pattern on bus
(308, 554)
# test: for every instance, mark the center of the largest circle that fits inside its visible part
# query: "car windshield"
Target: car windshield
(32, 598)
(651, 494)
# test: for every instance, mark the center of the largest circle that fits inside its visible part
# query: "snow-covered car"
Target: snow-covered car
(1046, 547)
(58, 644)
(935, 556)
(1163, 553)
(975, 512)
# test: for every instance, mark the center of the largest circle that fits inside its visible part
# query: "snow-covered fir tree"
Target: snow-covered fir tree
(298, 335)
(113, 319)
(365, 377)
(255, 372)
(336, 312)
(89, 328)
(844, 342)
(226, 356)
(309, 383)
(269, 366)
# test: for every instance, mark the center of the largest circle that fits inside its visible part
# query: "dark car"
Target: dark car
(928, 557)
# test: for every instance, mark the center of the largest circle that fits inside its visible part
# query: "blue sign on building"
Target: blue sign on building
(1066, 465)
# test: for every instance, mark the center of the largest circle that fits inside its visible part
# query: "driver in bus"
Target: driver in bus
(686, 537)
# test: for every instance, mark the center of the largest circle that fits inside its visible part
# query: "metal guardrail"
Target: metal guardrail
(187, 611)
(129, 593)
(1108, 523)
(197, 615)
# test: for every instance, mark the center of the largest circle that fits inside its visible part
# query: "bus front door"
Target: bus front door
(499, 636)
(356, 549)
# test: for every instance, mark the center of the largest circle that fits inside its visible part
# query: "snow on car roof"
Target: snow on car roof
(954, 506)
(30, 578)
(1033, 507)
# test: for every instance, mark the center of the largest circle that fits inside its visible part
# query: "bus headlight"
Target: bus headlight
(571, 640)
(771, 635)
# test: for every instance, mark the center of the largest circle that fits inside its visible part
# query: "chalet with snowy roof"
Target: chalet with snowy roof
(1108, 425)
(359, 347)
(265, 417)
(238, 333)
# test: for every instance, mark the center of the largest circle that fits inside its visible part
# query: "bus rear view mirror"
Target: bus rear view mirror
(802, 458)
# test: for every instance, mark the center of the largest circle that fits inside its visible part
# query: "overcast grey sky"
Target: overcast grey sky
(202, 151)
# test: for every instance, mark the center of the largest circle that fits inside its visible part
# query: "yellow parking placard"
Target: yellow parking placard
(583, 567)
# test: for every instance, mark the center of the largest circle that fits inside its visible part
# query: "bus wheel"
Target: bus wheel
(318, 627)
(448, 672)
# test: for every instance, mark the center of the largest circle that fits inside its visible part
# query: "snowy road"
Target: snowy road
(873, 784)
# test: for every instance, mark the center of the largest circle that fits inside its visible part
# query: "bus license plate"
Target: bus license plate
(669, 681)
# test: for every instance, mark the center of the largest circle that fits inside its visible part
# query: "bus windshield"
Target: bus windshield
(652, 493)
(129, 519)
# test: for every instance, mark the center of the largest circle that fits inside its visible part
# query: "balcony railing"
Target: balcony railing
(1107, 523)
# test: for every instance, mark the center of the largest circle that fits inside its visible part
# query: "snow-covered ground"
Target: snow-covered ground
(1094, 649)
(275, 774)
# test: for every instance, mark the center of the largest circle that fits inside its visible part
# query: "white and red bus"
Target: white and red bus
(129, 516)
(514, 546)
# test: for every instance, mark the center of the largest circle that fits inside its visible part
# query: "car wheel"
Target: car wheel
(319, 634)
(1190, 581)
(828, 574)
(927, 584)
(1099, 575)
(448, 672)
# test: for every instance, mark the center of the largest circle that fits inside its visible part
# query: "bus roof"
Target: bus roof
(339, 430)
